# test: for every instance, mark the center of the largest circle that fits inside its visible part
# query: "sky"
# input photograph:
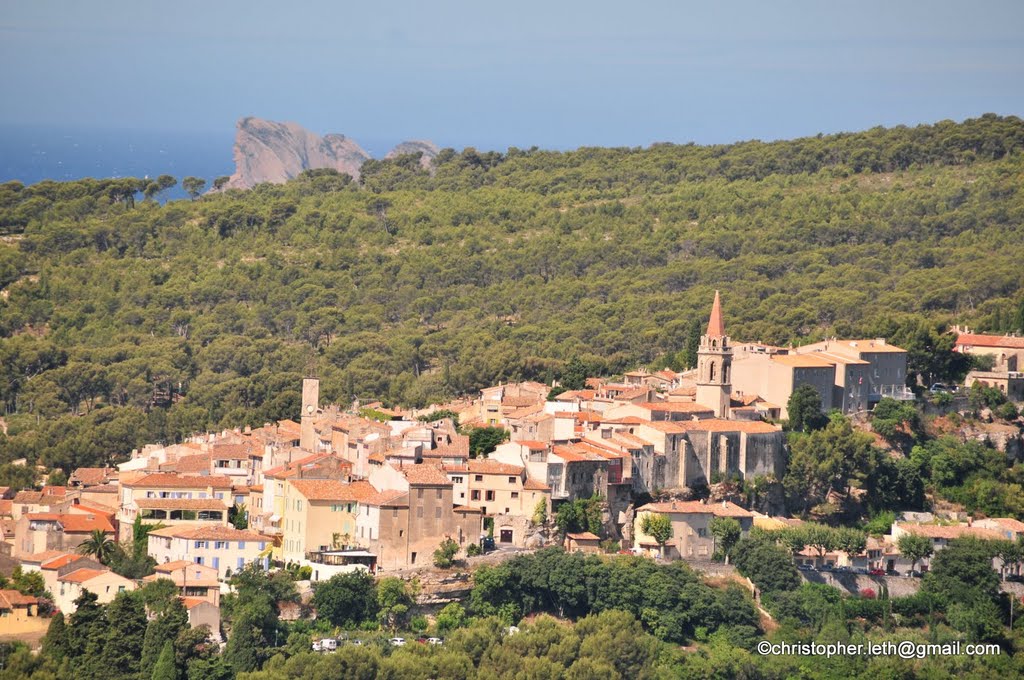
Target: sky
(555, 74)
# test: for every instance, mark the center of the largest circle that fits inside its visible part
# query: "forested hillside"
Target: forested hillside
(124, 320)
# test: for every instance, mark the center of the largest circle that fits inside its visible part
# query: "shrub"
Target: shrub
(444, 556)
(472, 550)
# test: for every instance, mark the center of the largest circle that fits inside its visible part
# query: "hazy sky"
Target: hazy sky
(552, 73)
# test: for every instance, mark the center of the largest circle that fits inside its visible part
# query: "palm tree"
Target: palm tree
(100, 545)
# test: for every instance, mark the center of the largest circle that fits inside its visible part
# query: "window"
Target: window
(241, 545)
(218, 495)
(478, 478)
(199, 560)
(490, 495)
(475, 495)
(298, 505)
(703, 533)
(419, 493)
(457, 480)
(437, 513)
(512, 480)
(241, 562)
(515, 494)
(120, 589)
(439, 494)
(220, 545)
(394, 513)
(419, 511)
(263, 545)
(201, 544)
(216, 563)
(401, 532)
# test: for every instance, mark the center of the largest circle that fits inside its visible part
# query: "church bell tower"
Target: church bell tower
(714, 364)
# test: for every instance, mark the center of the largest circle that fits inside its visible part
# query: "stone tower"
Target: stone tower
(714, 364)
(310, 403)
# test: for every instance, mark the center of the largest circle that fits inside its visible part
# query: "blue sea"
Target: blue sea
(32, 154)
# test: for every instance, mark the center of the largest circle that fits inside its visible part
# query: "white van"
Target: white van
(329, 644)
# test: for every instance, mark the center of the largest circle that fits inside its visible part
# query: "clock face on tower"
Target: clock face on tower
(309, 409)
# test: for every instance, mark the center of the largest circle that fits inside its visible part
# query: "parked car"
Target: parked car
(914, 573)
(860, 570)
(397, 642)
(877, 572)
(487, 543)
(435, 641)
(938, 387)
(422, 640)
(329, 644)
(803, 566)
(357, 643)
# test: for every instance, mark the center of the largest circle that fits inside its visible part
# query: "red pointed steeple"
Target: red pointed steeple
(716, 327)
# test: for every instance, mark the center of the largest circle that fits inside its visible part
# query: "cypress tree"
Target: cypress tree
(166, 627)
(165, 668)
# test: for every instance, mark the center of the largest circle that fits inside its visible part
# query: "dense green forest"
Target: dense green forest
(585, 617)
(124, 320)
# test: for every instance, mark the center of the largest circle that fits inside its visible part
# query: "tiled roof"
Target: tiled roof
(193, 602)
(714, 425)
(391, 498)
(425, 475)
(234, 451)
(725, 509)
(574, 454)
(181, 504)
(802, 361)
(44, 556)
(980, 340)
(532, 484)
(6, 507)
(198, 463)
(585, 536)
(948, 532)
(82, 575)
(532, 445)
(332, 489)
(75, 523)
(486, 466)
(1010, 524)
(209, 533)
(871, 346)
(9, 599)
(466, 508)
(61, 561)
(166, 480)
(168, 567)
(92, 476)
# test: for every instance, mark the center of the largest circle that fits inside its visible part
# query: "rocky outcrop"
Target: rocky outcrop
(428, 149)
(266, 151)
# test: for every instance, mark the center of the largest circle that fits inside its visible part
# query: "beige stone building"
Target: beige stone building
(104, 583)
(19, 614)
(691, 533)
(172, 486)
(225, 549)
(196, 581)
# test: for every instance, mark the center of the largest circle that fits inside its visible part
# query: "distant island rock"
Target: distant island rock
(268, 151)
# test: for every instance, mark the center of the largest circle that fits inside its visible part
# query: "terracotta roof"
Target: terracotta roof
(487, 466)
(532, 484)
(291, 469)
(209, 533)
(9, 599)
(668, 426)
(181, 504)
(198, 463)
(332, 489)
(166, 480)
(714, 425)
(532, 444)
(82, 575)
(696, 507)
(425, 475)
(50, 490)
(574, 454)
(466, 508)
(628, 420)
(802, 361)
(102, 488)
(871, 346)
(234, 451)
(75, 523)
(520, 402)
(948, 532)
(1010, 524)
(44, 556)
(684, 392)
(840, 359)
(6, 506)
(980, 340)
(62, 561)
(585, 536)
(716, 327)
(92, 476)
(90, 508)
(391, 498)
(193, 602)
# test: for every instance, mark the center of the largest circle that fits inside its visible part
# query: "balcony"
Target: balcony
(898, 392)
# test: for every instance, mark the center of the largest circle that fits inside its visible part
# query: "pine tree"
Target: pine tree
(165, 668)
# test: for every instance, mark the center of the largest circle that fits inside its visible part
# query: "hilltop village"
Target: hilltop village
(368, 488)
